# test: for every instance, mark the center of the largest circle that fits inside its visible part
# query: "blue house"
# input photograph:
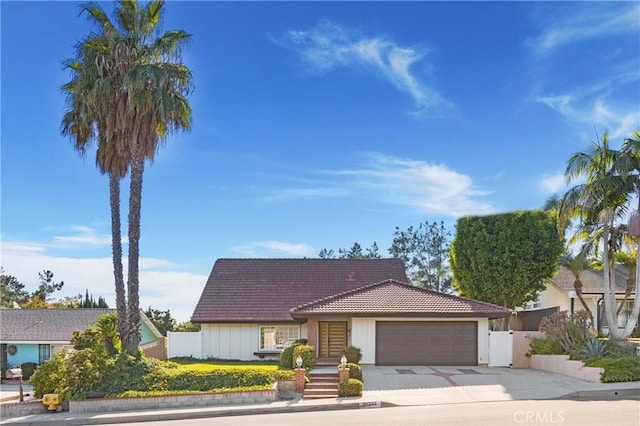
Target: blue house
(34, 335)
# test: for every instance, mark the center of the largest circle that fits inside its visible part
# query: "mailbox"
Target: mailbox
(14, 373)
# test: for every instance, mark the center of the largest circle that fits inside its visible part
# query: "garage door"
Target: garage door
(426, 343)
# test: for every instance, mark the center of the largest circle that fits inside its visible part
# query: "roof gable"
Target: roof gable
(259, 290)
(398, 299)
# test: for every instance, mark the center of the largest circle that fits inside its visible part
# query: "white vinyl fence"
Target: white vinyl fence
(184, 344)
(500, 348)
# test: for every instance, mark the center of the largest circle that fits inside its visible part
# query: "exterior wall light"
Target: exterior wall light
(299, 361)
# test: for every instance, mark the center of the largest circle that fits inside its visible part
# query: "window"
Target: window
(44, 353)
(534, 305)
(276, 337)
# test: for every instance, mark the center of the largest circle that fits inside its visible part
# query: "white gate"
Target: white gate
(500, 348)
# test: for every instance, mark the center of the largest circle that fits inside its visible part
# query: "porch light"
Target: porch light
(299, 361)
(343, 362)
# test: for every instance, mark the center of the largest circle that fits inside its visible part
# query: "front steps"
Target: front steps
(321, 385)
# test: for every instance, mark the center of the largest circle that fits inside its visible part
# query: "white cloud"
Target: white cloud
(554, 184)
(416, 184)
(82, 236)
(587, 24)
(328, 46)
(275, 249)
(157, 287)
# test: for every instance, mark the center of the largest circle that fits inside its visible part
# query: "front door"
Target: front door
(333, 339)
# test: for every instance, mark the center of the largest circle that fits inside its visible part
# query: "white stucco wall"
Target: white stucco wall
(552, 296)
(363, 335)
(234, 341)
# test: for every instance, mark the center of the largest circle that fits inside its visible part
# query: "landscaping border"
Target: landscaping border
(561, 364)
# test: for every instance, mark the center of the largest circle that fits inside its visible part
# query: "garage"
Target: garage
(426, 343)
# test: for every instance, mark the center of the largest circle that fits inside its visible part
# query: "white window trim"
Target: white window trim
(278, 346)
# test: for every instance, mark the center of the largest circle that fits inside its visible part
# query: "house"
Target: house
(34, 335)
(560, 292)
(253, 308)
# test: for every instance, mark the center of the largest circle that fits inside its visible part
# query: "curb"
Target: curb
(601, 393)
(161, 415)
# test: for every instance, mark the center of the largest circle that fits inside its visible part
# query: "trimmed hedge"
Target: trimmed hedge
(146, 394)
(353, 354)
(287, 360)
(350, 387)
(181, 380)
(355, 372)
(306, 352)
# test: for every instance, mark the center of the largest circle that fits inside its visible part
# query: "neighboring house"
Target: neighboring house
(34, 335)
(253, 308)
(560, 292)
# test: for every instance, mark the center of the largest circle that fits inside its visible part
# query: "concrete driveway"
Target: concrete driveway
(421, 385)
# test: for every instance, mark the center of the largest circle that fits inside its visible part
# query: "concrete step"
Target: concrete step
(321, 385)
(323, 376)
(319, 393)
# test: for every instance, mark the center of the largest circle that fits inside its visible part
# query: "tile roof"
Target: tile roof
(45, 325)
(392, 298)
(255, 290)
(592, 280)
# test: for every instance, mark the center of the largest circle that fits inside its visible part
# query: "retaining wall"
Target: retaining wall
(561, 364)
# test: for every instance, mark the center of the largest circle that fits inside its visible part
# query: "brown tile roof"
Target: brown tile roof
(592, 280)
(45, 325)
(392, 298)
(257, 290)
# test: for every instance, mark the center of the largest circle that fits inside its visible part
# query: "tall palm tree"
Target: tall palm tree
(146, 87)
(599, 201)
(91, 103)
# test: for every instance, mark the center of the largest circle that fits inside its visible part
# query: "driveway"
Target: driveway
(421, 385)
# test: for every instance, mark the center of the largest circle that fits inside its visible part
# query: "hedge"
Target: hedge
(350, 387)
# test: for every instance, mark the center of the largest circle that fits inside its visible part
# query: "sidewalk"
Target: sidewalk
(379, 392)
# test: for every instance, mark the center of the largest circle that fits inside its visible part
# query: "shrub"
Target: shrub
(173, 379)
(595, 348)
(287, 360)
(545, 346)
(306, 352)
(126, 372)
(625, 369)
(569, 331)
(621, 349)
(52, 376)
(635, 334)
(353, 354)
(355, 372)
(350, 387)
(27, 369)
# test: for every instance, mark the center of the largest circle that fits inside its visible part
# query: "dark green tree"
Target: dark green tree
(47, 286)
(505, 259)
(161, 319)
(12, 291)
(425, 252)
(355, 252)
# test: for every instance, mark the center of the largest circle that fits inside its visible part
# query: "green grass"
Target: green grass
(217, 364)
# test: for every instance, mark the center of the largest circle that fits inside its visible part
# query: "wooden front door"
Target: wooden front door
(333, 339)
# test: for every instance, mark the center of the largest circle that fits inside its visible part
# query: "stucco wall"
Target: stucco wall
(363, 335)
(521, 345)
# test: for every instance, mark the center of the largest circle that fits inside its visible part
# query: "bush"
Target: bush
(355, 372)
(52, 376)
(306, 352)
(353, 354)
(350, 387)
(173, 379)
(635, 334)
(287, 360)
(27, 369)
(545, 346)
(569, 330)
(625, 369)
(126, 372)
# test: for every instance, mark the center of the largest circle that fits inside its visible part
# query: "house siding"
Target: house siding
(363, 335)
(234, 340)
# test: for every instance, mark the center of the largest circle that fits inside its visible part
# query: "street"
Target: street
(539, 412)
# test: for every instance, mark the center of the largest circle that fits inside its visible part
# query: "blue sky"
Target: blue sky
(315, 125)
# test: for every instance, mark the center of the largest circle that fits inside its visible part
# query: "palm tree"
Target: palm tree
(91, 104)
(597, 203)
(144, 87)
(576, 265)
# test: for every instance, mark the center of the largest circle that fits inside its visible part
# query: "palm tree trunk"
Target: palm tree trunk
(132, 339)
(609, 282)
(635, 311)
(116, 247)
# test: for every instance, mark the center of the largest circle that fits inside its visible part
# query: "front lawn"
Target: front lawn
(217, 364)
